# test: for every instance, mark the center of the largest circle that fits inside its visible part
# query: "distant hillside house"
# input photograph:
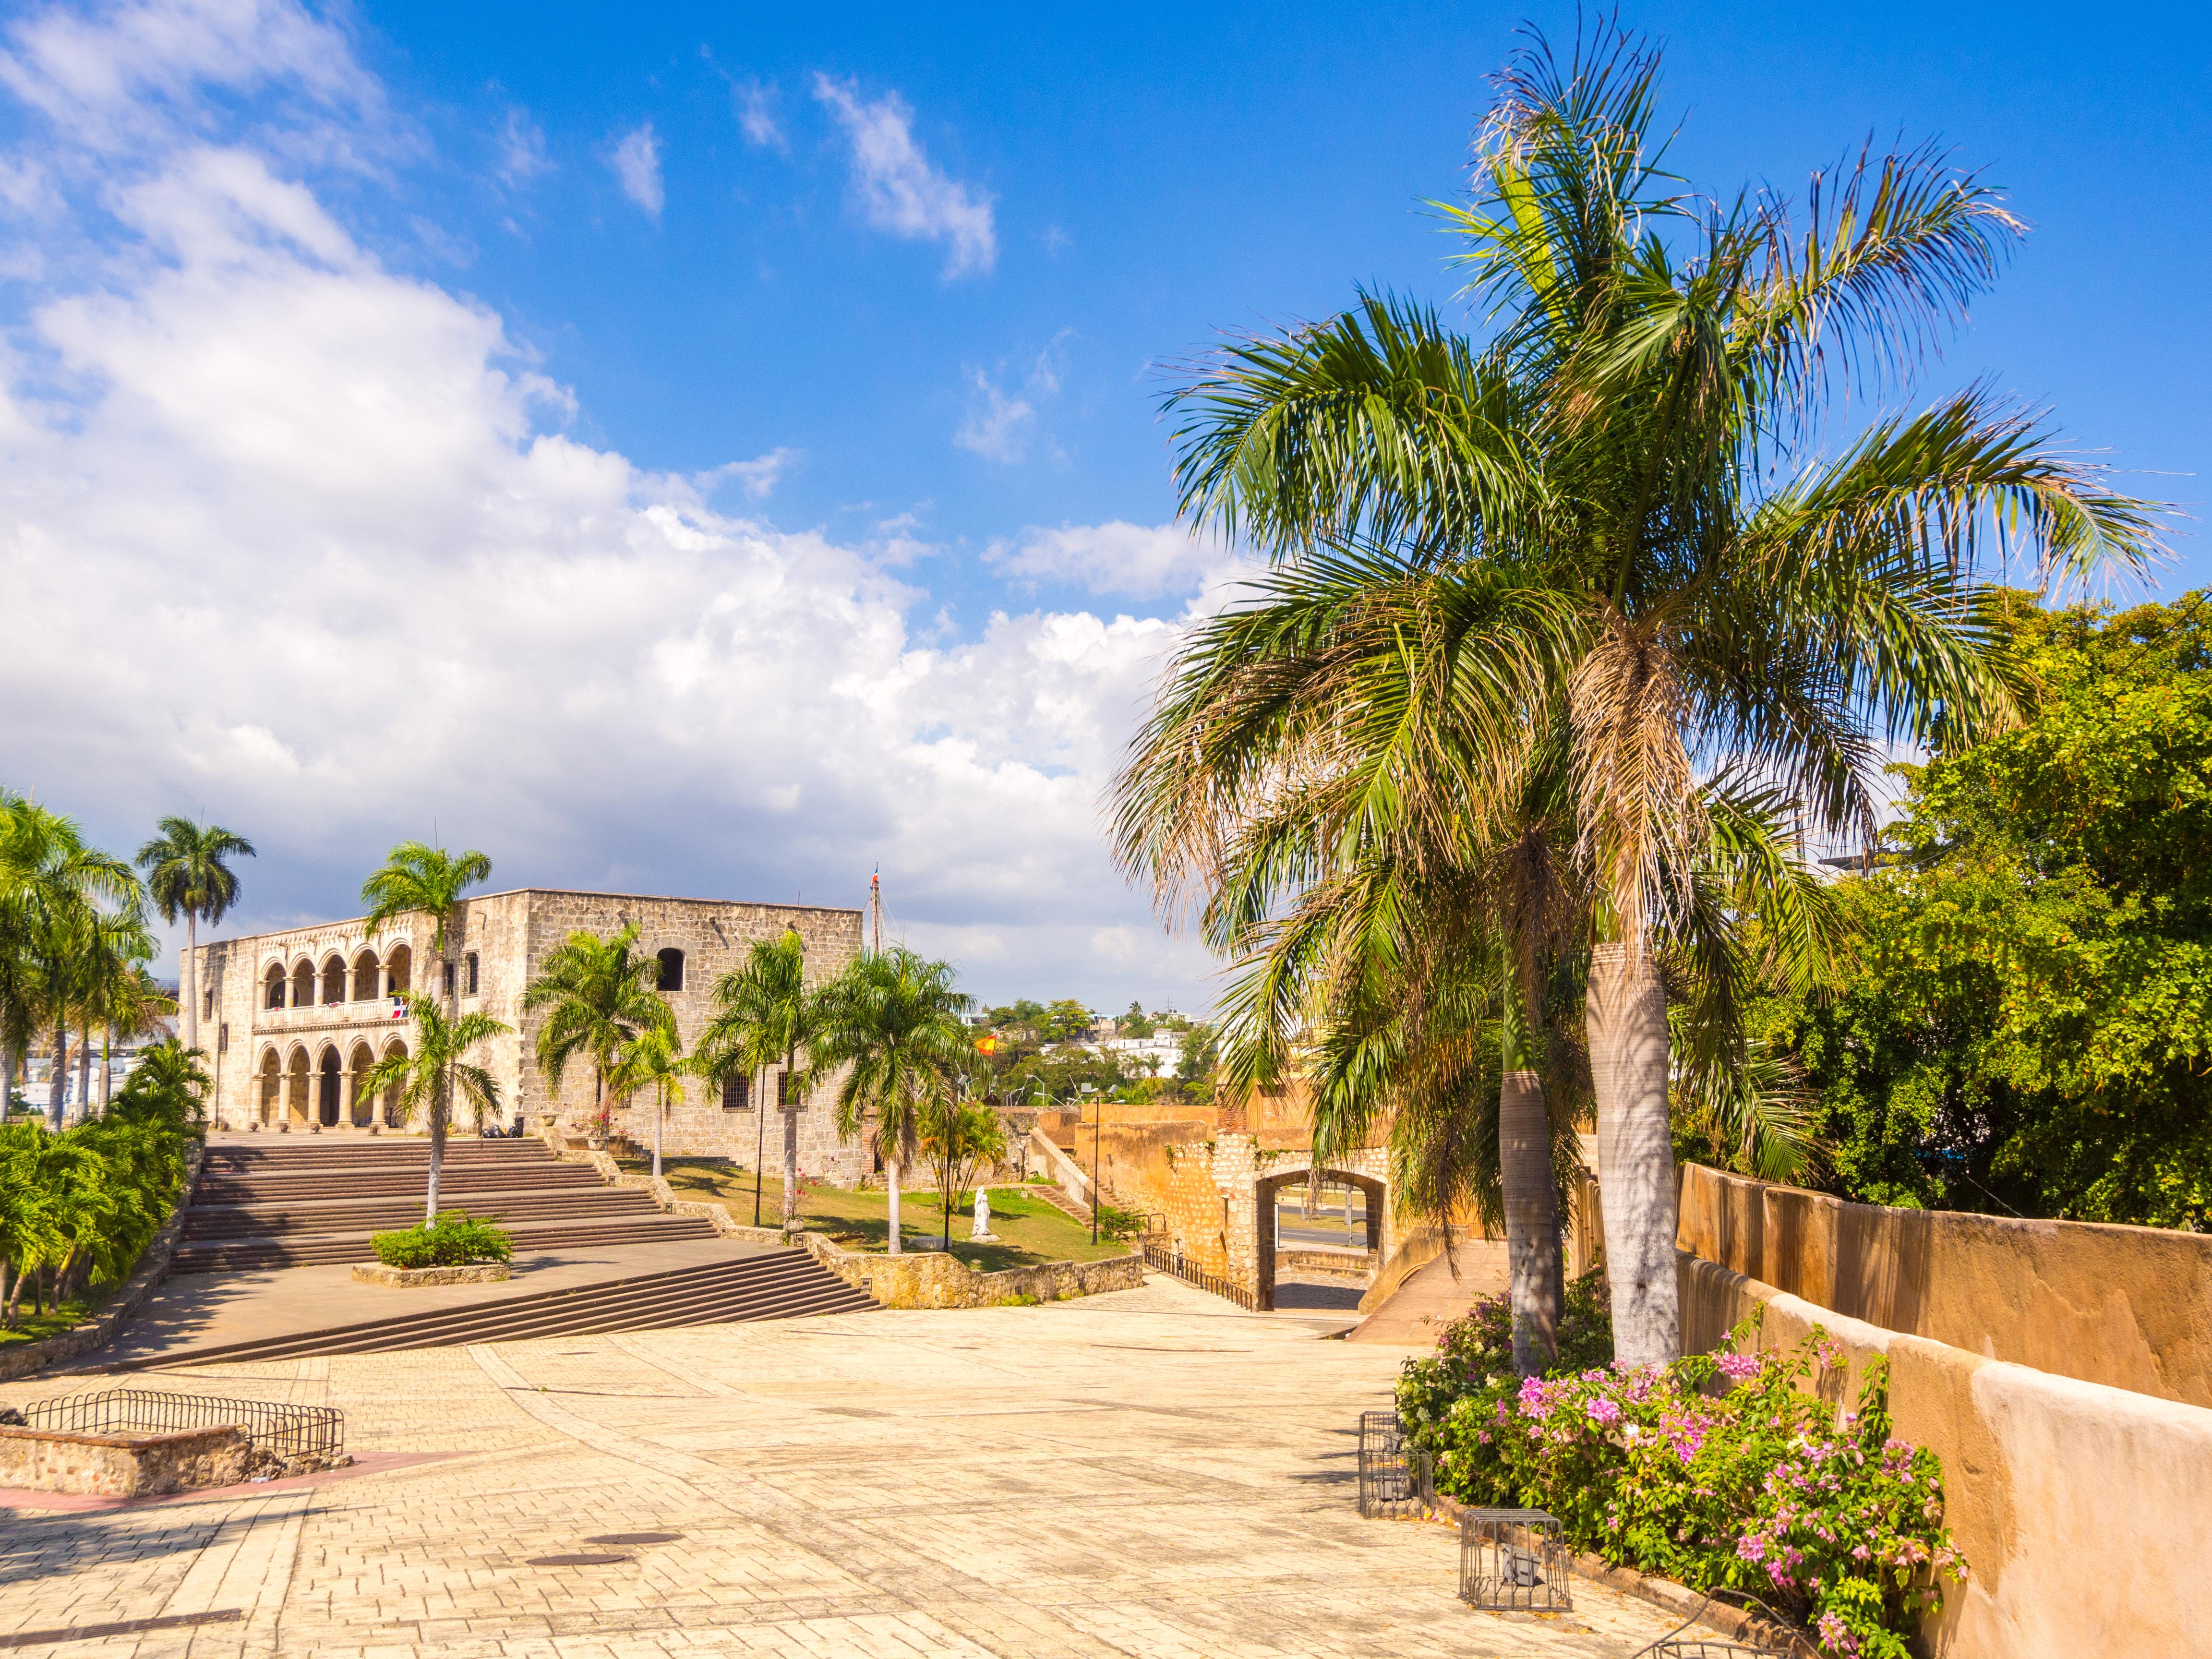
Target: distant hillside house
(292, 1020)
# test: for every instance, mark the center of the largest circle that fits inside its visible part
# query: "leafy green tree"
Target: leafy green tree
(1137, 1023)
(1065, 1021)
(895, 1022)
(596, 995)
(2031, 1028)
(1635, 476)
(428, 1075)
(418, 879)
(188, 874)
(765, 1015)
(959, 1134)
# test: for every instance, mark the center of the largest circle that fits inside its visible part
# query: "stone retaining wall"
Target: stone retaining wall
(123, 1465)
(100, 1330)
(932, 1278)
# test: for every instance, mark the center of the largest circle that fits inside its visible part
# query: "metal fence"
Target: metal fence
(1168, 1262)
(1395, 1477)
(287, 1430)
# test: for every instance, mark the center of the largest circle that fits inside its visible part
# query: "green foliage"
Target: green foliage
(1065, 1021)
(1476, 1353)
(1723, 1471)
(595, 995)
(1119, 1223)
(186, 871)
(2031, 1023)
(453, 1240)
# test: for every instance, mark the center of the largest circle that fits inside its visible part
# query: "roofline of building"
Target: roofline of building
(570, 892)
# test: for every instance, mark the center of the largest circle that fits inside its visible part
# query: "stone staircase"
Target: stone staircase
(313, 1201)
(773, 1284)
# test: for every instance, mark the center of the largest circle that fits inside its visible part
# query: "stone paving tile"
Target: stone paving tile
(1148, 1473)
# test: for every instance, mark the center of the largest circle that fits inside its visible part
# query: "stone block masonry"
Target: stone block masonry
(293, 1019)
(122, 1465)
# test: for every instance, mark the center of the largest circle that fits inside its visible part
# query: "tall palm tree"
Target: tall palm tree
(597, 996)
(1754, 588)
(894, 1020)
(764, 1016)
(126, 1003)
(654, 1059)
(429, 1074)
(187, 875)
(418, 879)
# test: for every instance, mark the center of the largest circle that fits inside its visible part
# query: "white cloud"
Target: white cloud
(755, 108)
(522, 149)
(296, 540)
(997, 426)
(1143, 561)
(636, 159)
(758, 476)
(899, 190)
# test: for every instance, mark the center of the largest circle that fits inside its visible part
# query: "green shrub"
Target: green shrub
(1722, 1471)
(455, 1239)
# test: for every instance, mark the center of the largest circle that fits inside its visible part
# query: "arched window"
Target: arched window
(334, 978)
(671, 968)
(303, 986)
(469, 975)
(399, 964)
(272, 989)
(364, 977)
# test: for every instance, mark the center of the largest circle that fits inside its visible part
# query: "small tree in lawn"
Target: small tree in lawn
(764, 1015)
(894, 1019)
(427, 1077)
(963, 1135)
(416, 880)
(654, 1059)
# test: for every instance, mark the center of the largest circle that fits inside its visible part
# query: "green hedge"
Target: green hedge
(453, 1240)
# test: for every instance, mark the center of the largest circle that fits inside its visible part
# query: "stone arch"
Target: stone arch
(330, 1086)
(303, 984)
(298, 1100)
(1267, 1190)
(390, 1103)
(399, 969)
(270, 1077)
(272, 985)
(366, 967)
(333, 978)
(361, 1111)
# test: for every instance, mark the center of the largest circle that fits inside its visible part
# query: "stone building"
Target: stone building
(291, 1020)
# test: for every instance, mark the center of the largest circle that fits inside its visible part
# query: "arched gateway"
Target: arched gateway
(1223, 1203)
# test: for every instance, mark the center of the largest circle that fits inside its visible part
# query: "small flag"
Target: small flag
(987, 1044)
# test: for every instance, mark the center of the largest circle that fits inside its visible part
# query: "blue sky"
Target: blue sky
(712, 449)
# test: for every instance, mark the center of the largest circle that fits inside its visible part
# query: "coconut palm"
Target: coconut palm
(126, 1003)
(764, 1016)
(187, 875)
(428, 1076)
(653, 1059)
(596, 995)
(1751, 588)
(896, 1021)
(418, 879)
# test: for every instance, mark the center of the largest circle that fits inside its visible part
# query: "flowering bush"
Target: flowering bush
(1720, 1471)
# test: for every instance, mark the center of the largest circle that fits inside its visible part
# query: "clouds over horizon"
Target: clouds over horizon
(304, 543)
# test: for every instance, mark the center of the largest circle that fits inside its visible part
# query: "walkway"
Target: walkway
(1152, 1473)
(1439, 1293)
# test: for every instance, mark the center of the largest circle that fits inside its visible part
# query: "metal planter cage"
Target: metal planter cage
(1395, 1477)
(1697, 1647)
(1514, 1561)
(287, 1430)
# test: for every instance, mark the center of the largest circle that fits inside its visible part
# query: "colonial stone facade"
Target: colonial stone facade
(291, 1020)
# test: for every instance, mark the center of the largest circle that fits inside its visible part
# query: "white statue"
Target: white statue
(981, 1232)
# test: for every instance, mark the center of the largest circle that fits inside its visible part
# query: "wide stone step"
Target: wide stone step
(284, 1220)
(322, 1249)
(262, 1189)
(769, 1284)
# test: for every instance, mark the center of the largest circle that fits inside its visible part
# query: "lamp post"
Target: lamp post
(1097, 1123)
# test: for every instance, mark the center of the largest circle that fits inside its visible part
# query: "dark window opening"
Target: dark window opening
(736, 1093)
(274, 996)
(223, 1038)
(207, 1003)
(471, 962)
(785, 1094)
(671, 970)
(449, 978)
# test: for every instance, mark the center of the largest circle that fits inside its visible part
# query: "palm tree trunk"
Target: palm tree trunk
(659, 1110)
(57, 1077)
(106, 1069)
(1532, 1222)
(891, 1186)
(790, 1146)
(9, 1061)
(760, 1136)
(438, 1110)
(84, 1073)
(1626, 1028)
(189, 1027)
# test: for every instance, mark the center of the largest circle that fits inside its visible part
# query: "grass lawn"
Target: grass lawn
(1030, 1230)
(36, 1328)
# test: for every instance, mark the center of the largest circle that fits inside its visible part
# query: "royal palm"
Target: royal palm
(187, 875)
(596, 995)
(1707, 585)
(426, 1078)
(415, 880)
(764, 1016)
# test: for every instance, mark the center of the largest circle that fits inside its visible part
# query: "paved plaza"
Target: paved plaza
(1149, 1472)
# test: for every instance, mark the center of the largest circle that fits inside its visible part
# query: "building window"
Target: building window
(671, 970)
(788, 1096)
(737, 1092)
(223, 1038)
(207, 1003)
(470, 962)
(449, 977)
(273, 995)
